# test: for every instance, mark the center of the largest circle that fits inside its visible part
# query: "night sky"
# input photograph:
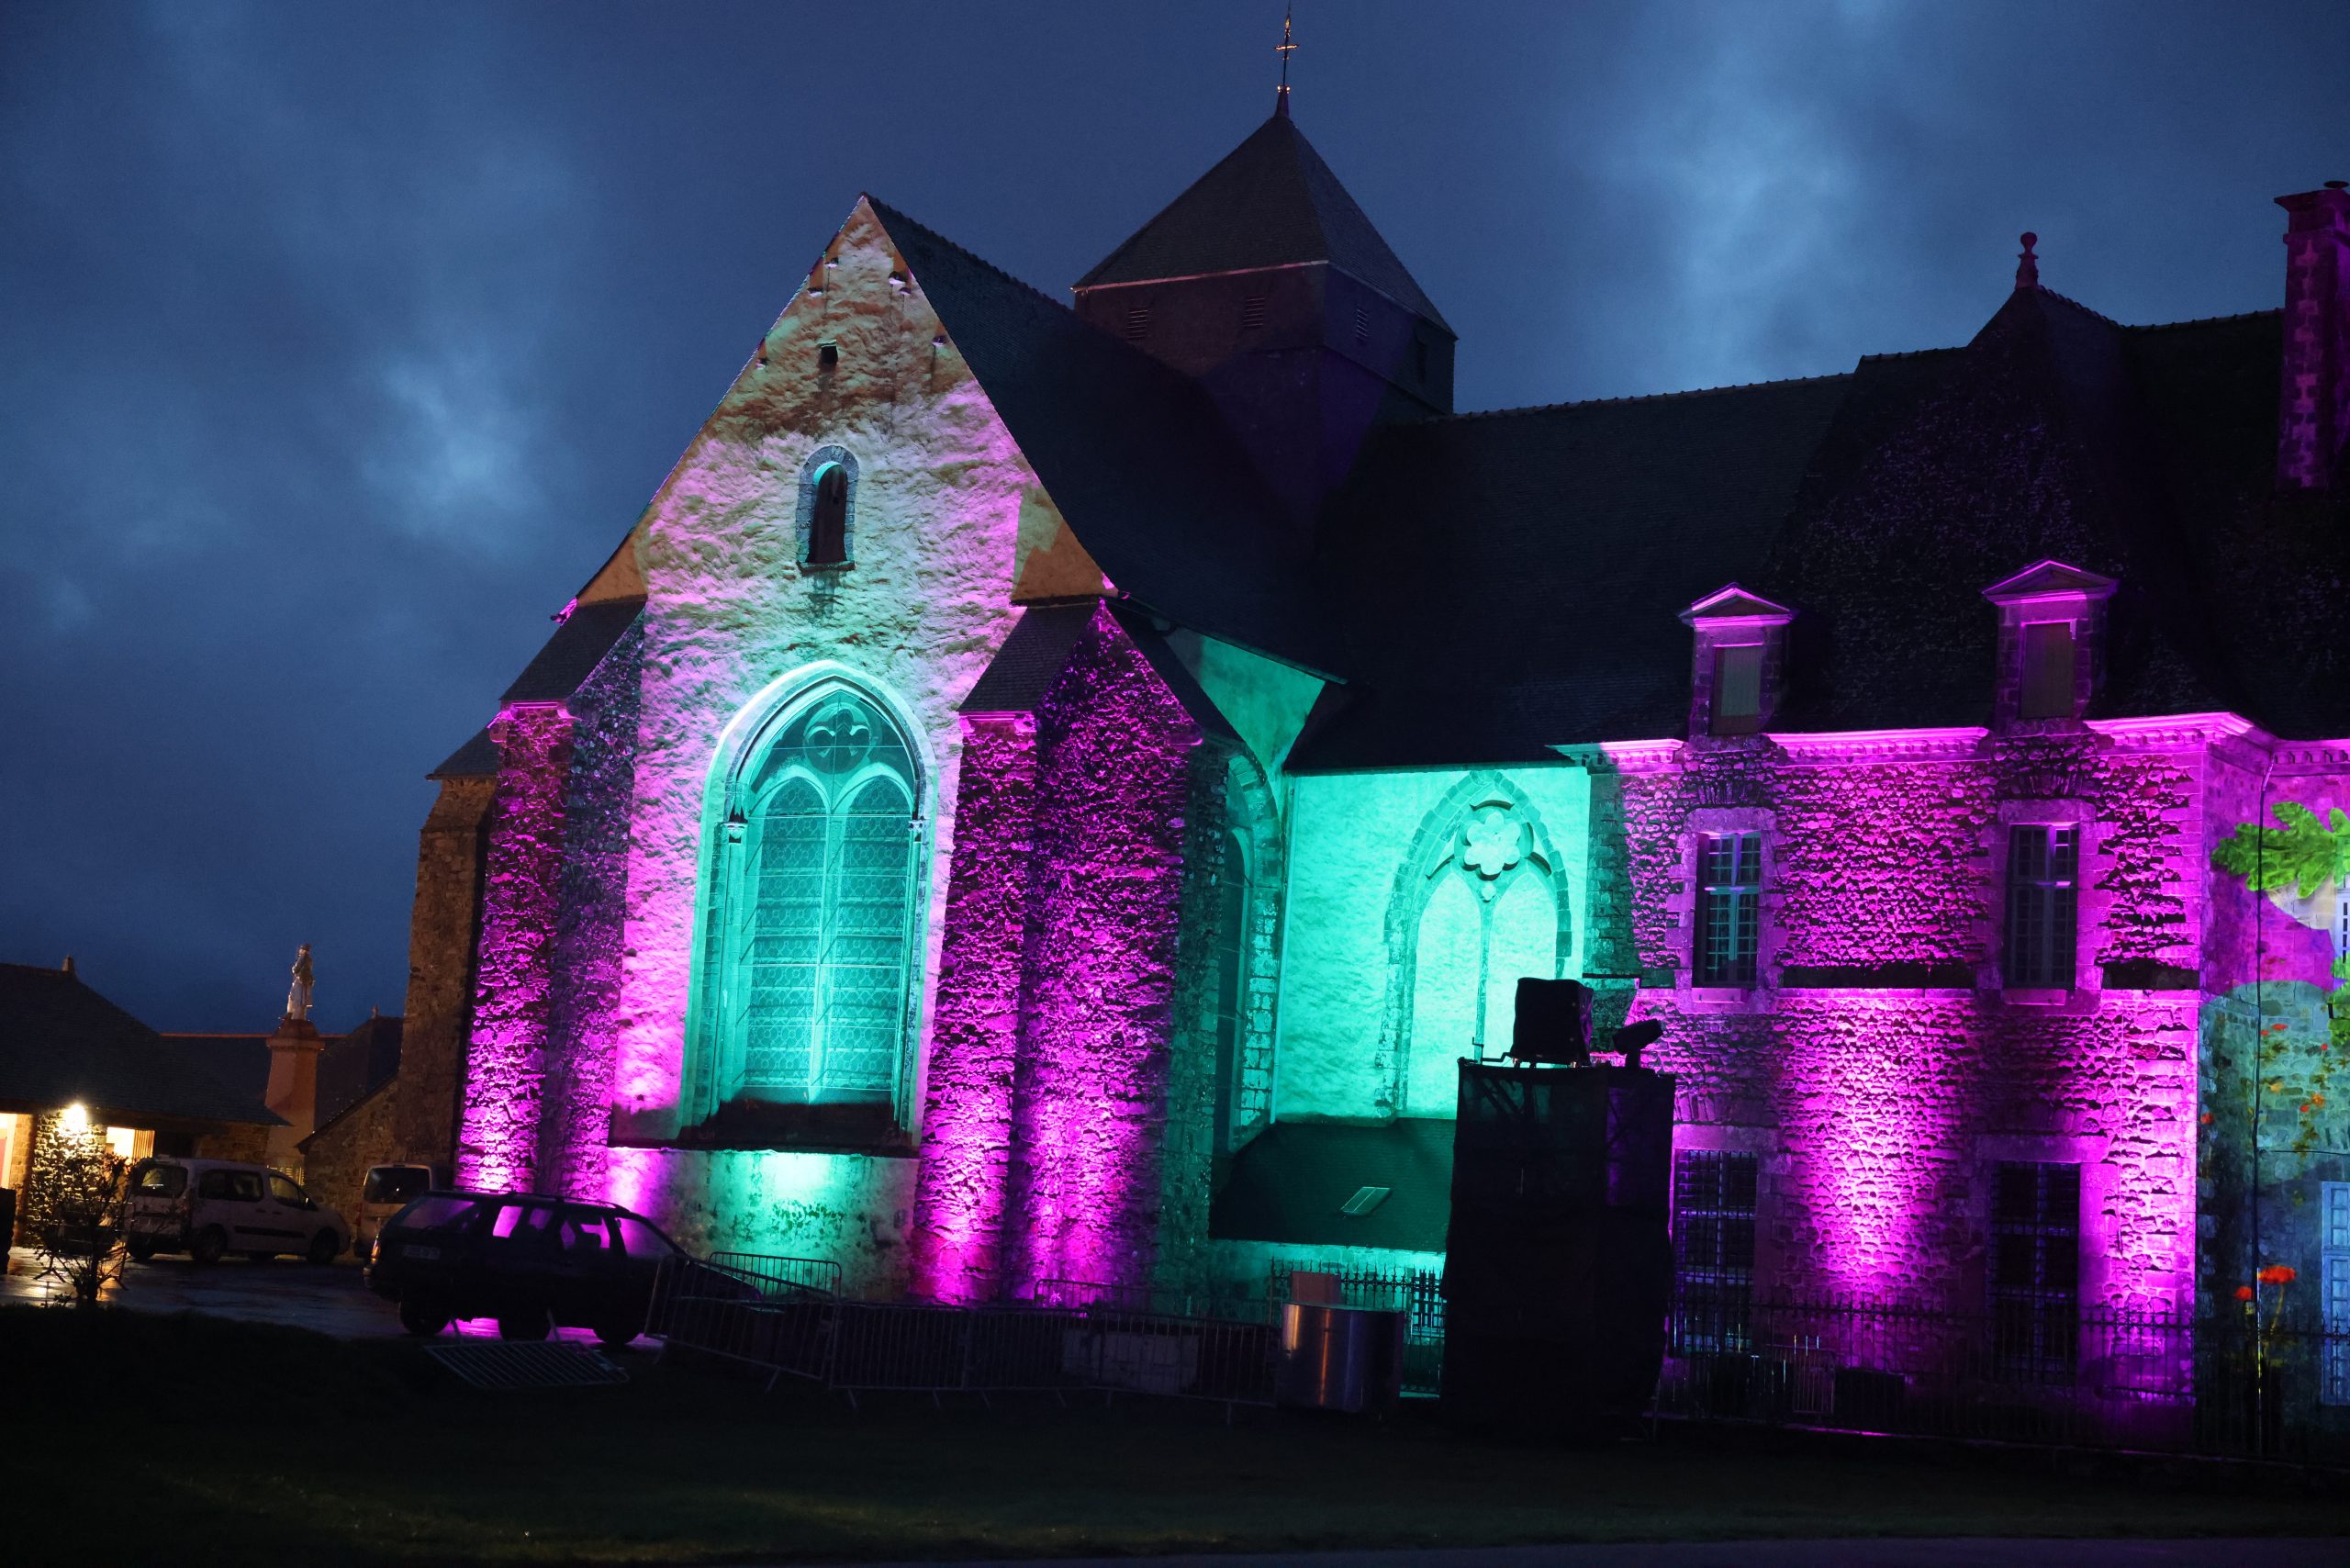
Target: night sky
(340, 344)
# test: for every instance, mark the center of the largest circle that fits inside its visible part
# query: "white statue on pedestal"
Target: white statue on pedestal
(297, 996)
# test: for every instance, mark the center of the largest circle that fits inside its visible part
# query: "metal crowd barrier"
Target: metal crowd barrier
(787, 1316)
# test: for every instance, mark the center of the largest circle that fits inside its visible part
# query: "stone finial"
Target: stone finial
(2028, 264)
(68, 965)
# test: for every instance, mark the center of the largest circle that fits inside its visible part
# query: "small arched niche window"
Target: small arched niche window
(827, 508)
(816, 892)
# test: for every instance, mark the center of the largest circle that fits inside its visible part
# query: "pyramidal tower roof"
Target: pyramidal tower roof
(1271, 203)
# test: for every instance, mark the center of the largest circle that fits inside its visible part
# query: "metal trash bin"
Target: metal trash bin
(1339, 1358)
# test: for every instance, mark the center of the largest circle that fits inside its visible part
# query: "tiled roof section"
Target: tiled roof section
(2031, 443)
(237, 1062)
(1133, 454)
(1031, 658)
(571, 655)
(1291, 1181)
(355, 1065)
(1272, 202)
(61, 1042)
(477, 758)
(1513, 578)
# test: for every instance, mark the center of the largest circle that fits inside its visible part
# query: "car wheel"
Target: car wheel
(619, 1333)
(211, 1245)
(324, 1247)
(423, 1317)
(140, 1248)
(525, 1322)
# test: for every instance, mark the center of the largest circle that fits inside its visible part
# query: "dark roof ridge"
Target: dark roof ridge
(2202, 321)
(1632, 398)
(2087, 311)
(1911, 353)
(888, 212)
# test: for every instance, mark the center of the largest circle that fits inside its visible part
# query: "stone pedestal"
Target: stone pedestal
(292, 1091)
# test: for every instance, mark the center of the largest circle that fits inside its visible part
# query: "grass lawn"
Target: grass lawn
(136, 1439)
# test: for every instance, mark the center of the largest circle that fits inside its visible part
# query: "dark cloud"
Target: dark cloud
(339, 344)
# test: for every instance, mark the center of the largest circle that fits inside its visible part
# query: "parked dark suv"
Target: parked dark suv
(531, 1263)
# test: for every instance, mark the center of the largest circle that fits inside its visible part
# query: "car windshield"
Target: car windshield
(395, 1183)
(438, 1211)
(163, 1181)
(639, 1240)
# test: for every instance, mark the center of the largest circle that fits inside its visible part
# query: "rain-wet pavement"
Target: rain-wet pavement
(331, 1298)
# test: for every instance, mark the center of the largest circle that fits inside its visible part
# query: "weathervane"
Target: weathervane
(1286, 49)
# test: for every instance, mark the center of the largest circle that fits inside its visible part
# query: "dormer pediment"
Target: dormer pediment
(2050, 579)
(1731, 604)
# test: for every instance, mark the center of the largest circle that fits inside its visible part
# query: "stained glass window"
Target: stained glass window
(822, 945)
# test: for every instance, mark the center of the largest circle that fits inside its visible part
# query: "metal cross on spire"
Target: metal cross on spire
(1286, 47)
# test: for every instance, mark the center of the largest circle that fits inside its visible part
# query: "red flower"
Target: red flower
(2244, 1293)
(2278, 1274)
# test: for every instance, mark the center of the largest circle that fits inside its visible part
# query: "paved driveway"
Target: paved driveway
(332, 1299)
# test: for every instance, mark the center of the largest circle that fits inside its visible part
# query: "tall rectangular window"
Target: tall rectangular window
(1713, 1251)
(2047, 689)
(1738, 689)
(2035, 1270)
(2333, 1291)
(2043, 894)
(1730, 907)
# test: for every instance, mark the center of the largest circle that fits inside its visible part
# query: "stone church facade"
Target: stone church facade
(1047, 792)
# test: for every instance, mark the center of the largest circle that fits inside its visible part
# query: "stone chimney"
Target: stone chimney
(2313, 409)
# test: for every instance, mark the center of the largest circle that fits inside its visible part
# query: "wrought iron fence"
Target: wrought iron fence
(2094, 1379)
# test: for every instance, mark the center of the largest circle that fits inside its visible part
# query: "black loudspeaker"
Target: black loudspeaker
(1553, 1021)
(1558, 1261)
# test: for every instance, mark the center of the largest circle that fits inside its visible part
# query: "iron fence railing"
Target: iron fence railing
(2273, 1388)
(2093, 1379)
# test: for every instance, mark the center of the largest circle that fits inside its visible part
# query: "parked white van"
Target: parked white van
(209, 1208)
(385, 1192)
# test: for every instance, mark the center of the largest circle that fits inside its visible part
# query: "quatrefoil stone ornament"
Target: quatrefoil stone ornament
(1492, 845)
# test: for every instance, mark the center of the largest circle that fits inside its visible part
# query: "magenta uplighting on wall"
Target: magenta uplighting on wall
(506, 1061)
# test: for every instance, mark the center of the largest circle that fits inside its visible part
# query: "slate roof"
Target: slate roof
(1288, 1183)
(571, 655)
(1271, 202)
(1133, 452)
(1043, 638)
(477, 758)
(1513, 578)
(60, 1043)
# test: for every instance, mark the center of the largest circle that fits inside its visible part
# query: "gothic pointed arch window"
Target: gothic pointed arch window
(1483, 907)
(812, 936)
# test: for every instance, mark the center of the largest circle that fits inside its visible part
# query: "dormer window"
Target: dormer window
(1735, 670)
(2047, 692)
(1738, 689)
(2052, 627)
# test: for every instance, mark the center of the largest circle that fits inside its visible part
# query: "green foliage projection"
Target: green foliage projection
(2303, 854)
